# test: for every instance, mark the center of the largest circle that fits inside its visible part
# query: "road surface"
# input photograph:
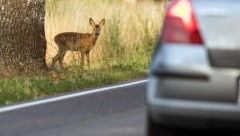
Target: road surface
(117, 110)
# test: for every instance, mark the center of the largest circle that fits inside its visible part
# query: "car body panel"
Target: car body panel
(184, 72)
(218, 21)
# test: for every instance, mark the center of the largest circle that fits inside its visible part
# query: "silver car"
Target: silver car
(195, 71)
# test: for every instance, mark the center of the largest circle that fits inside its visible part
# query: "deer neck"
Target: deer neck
(93, 38)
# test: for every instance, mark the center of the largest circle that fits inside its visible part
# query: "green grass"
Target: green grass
(26, 88)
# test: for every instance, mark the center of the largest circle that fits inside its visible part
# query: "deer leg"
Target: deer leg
(88, 59)
(61, 57)
(54, 60)
(82, 60)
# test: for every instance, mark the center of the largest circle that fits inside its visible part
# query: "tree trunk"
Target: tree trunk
(22, 36)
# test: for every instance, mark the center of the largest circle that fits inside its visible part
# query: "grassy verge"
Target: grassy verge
(25, 88)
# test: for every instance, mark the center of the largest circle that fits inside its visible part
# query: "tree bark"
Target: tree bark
(22, 36)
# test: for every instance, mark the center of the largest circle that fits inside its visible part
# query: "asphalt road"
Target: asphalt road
(118, 111)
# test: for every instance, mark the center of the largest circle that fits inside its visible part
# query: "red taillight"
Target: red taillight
(181, 25)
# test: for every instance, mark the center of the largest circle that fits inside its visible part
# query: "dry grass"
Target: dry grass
(133, 20)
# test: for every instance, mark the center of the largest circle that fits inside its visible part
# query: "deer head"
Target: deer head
(96, 27)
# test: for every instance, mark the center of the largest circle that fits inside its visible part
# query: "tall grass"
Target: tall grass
(128, 36)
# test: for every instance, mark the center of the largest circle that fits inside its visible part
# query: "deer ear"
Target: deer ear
(102, 22)
(91, 22)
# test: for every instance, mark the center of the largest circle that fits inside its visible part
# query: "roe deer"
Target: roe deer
(83, 42)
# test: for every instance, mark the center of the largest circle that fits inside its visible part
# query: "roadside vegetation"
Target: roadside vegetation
(122, 52)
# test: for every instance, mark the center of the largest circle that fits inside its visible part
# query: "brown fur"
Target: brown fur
(83, 42)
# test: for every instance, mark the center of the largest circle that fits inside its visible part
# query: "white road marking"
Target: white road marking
(68, 96)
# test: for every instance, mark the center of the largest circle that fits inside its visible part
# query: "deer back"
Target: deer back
(73, 41)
